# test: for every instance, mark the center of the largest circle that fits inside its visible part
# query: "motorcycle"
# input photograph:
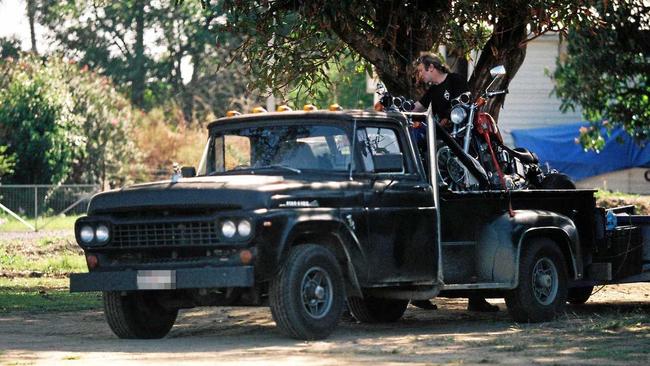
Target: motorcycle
(473, 156)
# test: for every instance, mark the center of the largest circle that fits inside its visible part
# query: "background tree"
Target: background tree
(291, 41)
(62, 123)
(607, 71)
(9, 47)
(145, 46)
(36, 122)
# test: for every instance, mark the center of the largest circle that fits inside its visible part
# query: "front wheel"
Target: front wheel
(307, 295)
(137, 315)
(542, 290)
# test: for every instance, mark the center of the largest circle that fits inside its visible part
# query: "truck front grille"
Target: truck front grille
(165, 234)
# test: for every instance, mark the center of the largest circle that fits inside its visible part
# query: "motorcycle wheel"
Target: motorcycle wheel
(450, 169)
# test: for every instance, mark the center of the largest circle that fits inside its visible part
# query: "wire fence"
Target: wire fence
(38, 203)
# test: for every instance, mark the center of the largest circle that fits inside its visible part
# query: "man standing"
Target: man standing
(443, 86)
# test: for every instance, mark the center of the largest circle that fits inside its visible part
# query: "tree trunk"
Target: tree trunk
(505, 47)
(31, 16)
(138, 73)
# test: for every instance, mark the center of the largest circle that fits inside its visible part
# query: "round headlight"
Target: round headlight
(244, 228)
(228, 229)
(458, 115)
(102, 233)
(86, 234)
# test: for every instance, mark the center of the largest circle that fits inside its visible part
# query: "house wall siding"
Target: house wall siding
(531, 102)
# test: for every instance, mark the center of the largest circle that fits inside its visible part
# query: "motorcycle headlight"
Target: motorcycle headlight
(86, 234)
(228, 229)
(458, 115)
(102, 233)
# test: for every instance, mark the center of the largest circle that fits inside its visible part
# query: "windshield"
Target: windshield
(289, 148)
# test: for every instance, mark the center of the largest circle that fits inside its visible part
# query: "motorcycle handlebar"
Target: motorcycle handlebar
(497, 92)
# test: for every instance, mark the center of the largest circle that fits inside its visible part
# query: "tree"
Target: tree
(291, 41)
(143, 45)
(31, 17)
(36, 122)
(62, 123)
(104, 35)
(607, 71)
(9, 47)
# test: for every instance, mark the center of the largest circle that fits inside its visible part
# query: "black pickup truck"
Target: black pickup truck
(311, 211)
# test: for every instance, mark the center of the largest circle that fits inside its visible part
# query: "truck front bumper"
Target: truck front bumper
(184, 278)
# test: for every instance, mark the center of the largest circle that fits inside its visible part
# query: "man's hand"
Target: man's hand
(379, 107)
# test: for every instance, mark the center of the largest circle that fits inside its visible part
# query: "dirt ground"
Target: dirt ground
(613, 328)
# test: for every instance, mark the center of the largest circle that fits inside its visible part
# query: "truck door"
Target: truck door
(400, 210)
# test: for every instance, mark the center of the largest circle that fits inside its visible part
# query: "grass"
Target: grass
(613, 199)
(43, 295)
(8, 223)
(56, 264)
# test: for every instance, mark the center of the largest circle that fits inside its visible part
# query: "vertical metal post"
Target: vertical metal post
(35, 208)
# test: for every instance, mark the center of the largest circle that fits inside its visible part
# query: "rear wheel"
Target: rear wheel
(579, 295)
(307, 296)
(376, 310)
(542, 290)
(137, 315)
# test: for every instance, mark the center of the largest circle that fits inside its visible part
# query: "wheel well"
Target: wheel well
(561, 240)
(327, 235)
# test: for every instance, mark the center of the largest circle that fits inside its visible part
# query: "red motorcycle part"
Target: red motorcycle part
(485, 122)
(486, 136)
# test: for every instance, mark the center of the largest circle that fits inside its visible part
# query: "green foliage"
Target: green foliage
(37, 122)
(7, 162)
(292, 43)
(346, 85)
(104, 35)
(607, 72)
(9, 47)
(63, 123)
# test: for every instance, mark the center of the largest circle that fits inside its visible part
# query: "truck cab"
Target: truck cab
(309, 211)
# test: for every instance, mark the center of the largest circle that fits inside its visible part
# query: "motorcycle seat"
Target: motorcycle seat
(524, 155)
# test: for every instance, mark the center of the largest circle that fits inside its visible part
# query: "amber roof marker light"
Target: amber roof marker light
(335, 107)
(284, 108)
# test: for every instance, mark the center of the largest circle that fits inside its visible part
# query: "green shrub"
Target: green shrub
(63, 123)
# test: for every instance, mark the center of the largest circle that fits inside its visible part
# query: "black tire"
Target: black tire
(579, 295)
(376, 310)
(307, 295)
(542, 291)
(557, 181)
(137, 315)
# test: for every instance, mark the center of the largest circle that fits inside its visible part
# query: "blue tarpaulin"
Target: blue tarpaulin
(556, 146)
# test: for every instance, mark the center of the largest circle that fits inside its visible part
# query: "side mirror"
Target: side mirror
(498, 71)
(188, 171)
(389, 163)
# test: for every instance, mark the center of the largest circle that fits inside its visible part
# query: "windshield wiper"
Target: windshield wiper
(252, 170)
(279, 166)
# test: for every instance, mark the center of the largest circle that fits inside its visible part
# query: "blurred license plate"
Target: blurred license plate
(156, 280)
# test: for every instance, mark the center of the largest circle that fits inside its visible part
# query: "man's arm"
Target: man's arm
(419, 107)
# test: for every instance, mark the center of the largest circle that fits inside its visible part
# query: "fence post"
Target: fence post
(35, 208)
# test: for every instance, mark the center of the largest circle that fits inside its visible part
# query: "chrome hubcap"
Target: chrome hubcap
(545, 281)
(317, 292)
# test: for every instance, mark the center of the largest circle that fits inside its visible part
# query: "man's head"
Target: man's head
(430, 70)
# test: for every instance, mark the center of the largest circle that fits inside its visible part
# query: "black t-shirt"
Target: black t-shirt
(440, 95)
